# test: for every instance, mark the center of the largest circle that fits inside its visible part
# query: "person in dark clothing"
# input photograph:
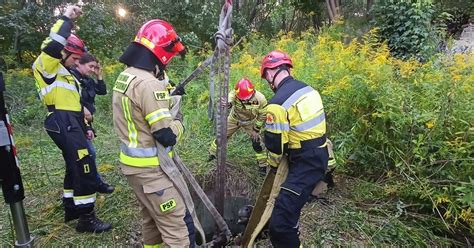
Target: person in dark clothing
(85, 68)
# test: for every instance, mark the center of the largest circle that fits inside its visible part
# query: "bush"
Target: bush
(389, 118)
(406, 25)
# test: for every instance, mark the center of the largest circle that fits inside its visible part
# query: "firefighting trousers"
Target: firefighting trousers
(80, 181)
(165, 218)
(306, 169)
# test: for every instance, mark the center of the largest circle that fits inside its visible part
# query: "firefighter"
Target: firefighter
(295, 126)
(142, 112)
(246, 106)
(64, 123)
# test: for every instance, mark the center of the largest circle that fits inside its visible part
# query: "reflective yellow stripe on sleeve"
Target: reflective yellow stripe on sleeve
(157, 115)
(132, 130)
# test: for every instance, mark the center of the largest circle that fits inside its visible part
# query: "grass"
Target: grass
(358, 213)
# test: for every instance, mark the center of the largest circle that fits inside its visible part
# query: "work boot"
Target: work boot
(90, 223)
(105, 188)
(70, 215)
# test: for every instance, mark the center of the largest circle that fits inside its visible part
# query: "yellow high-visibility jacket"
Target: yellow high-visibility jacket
(55, 85)
(294, 115)
(252, 110)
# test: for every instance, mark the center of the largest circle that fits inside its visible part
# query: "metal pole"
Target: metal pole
(223, 40)
(23, 238)
(10, 177)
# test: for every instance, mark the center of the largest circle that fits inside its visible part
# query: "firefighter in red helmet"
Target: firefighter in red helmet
(246, 106)
(295, 129)
(144, 115)
(60, 92)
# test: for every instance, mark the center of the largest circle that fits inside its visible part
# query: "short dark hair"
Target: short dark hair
(86, 58)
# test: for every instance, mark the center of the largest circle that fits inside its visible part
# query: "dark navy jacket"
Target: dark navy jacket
(89, 89)
(285, 89)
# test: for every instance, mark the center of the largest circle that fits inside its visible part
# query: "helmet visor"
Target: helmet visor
(176, 46)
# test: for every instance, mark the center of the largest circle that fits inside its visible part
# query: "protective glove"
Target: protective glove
(178, 91)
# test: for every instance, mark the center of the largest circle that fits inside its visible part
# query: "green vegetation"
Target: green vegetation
(400, 114)
(402, 131)
(406, 25)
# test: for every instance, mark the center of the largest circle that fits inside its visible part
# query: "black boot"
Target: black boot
(90, 223)
(70, 214)
(105, 188)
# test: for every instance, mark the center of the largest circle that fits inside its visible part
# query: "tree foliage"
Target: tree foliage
(406, 25)
(24, 24)
(22, 29)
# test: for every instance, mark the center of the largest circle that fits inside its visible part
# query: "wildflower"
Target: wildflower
(429, 124)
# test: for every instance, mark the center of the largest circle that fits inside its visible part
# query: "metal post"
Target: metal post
(23, 238)
(10, 177)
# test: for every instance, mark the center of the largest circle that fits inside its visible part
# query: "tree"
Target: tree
(406, 25)
(23, 26)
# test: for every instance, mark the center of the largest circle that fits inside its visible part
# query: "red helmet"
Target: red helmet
(75, 45)
(274, 59)
(161, 39)
(244, 89)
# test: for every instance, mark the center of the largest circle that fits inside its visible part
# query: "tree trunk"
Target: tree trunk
(253, 14)
(16, 47)
(237, 6)
(293, 19)
(368, 7)
(283, 23)
(330, 13)
(335, 8)
(316, 19)
(266, 15)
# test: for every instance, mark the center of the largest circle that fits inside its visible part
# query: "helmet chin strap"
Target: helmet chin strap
(159, 72)
(280, 69)
(63, 60)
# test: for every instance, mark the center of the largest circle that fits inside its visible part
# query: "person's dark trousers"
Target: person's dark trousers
(80, 181)
(306, 168)
(93, 153)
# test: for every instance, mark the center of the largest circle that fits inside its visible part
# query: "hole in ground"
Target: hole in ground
(240, 190)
